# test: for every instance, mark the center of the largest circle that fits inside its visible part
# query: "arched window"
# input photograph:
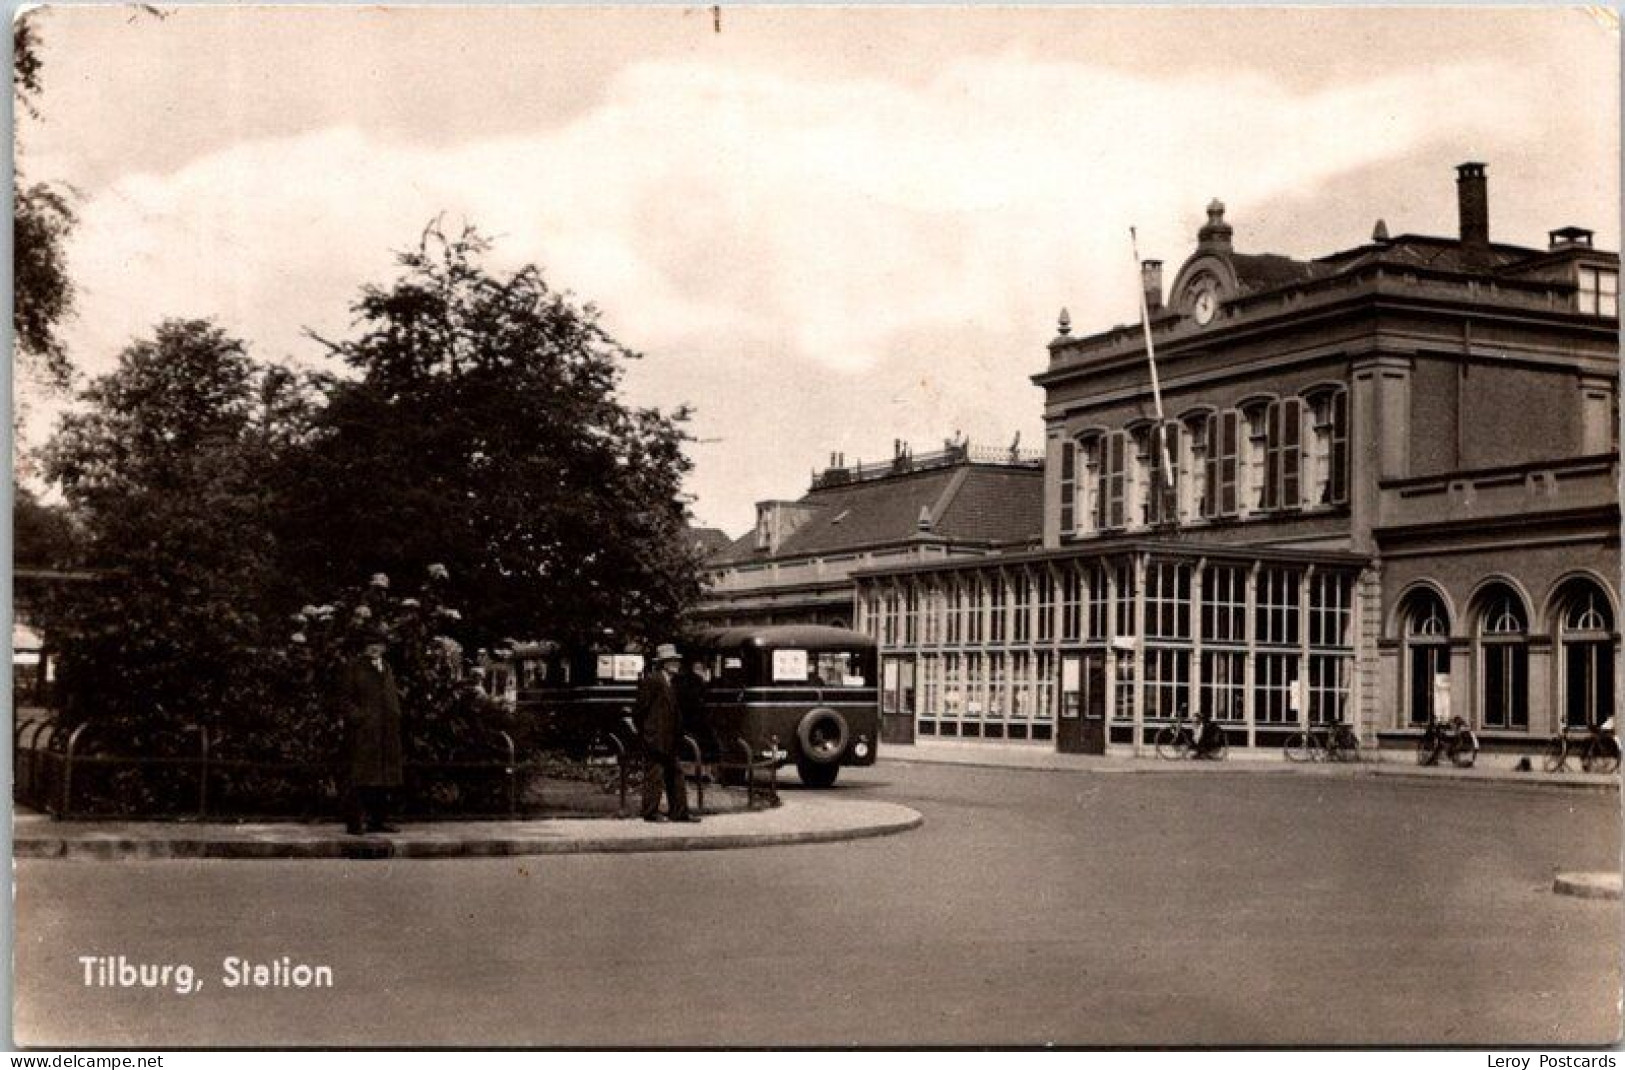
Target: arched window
(1425, 635)
(1162, 488)
(1193, 462)
(1586, 640)
(1503, 659)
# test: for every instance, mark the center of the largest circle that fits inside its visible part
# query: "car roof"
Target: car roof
(803, 636)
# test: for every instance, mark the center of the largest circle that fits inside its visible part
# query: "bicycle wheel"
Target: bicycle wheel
(1601, 756)
(1557, 755)
(1464, 749)
(1172, 743)
(1299, 747)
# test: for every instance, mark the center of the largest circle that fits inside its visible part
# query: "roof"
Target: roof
(970, 502)
(1265, 271)
(1421, 250)
(708, 542)
(804, 636)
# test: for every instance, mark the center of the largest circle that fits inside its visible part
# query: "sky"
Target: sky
(823, 228)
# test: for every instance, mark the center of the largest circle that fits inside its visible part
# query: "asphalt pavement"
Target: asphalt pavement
(1029, 908)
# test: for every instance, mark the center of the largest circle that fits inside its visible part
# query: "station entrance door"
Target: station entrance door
(1081, 719)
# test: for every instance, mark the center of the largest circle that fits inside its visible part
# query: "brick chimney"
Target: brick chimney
(1473, 200)
(1151, 281)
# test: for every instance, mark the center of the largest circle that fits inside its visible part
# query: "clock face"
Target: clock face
(1205, 301)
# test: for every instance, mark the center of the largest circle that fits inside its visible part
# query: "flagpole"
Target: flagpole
(1151, 358)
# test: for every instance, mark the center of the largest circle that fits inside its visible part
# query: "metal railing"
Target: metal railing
(759, 772)
(908, 461)
(51, 764)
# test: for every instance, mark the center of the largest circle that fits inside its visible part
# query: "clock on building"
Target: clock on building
(1204, 298)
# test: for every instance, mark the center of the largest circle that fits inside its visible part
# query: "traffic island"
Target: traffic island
(1588, 885)
(808, 817)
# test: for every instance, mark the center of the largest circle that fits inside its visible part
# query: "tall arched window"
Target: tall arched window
(1586, 640)
(1425, 631)
(1503, 658)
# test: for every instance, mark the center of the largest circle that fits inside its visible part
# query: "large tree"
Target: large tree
(482, 428)
(165, 473)
(42, 219)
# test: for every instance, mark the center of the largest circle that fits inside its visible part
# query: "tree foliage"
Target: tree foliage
(485, 430)
(475, 437)
(43, 217)
(162, 471)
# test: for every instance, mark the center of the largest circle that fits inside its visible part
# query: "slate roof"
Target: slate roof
(708, 541)
(976, 503)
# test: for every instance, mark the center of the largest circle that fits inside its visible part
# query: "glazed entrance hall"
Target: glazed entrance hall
(1098, 650)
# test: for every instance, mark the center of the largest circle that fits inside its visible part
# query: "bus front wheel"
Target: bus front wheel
(817, 775)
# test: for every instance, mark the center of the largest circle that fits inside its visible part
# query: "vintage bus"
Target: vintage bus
(809, 687)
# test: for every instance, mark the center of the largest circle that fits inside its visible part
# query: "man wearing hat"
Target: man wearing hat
(371, 707)
(659, 721)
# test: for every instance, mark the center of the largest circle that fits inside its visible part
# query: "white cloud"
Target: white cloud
(818, 265)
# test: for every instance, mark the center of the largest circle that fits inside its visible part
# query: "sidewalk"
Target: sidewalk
(805, 817)
(1387, 764)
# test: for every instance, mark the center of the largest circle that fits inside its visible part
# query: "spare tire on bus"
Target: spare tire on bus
(823, 735)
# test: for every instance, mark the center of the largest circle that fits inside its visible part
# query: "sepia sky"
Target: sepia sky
(825, 228)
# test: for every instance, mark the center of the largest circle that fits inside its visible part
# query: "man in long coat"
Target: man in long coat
(659, 721)
(371, 707)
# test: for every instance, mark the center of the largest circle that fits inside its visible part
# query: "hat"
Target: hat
(666, 652)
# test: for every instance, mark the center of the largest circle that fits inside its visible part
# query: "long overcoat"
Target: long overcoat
(371, 706)
(656, 714)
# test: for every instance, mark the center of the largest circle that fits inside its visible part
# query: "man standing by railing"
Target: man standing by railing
(371, 707)
(659, 721)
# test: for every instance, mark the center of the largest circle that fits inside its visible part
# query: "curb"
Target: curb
(1350, 770)
(1588, 885)
(545, 838)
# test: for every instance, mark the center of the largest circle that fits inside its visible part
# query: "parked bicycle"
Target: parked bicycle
(1202, 738)
(1598, 749)
(1335, 742)
(1451, 739)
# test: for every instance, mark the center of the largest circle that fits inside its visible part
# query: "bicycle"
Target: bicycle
(1452, 739)
(1598, 750)
(1335, 742)
(1181, 740)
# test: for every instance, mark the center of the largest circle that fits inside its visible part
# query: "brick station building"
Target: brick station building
(1390, 491)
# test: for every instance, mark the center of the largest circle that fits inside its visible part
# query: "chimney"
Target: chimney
(1569, 238)
(1151, 280)
(1473, 200)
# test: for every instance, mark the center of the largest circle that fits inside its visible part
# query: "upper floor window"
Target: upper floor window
(1599, 291)
(1326, 461)
(1113, 484)
(1254, 458)
(1283, 454)
(1162, 490)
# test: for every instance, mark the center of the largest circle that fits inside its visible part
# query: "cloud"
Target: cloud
(816, 264)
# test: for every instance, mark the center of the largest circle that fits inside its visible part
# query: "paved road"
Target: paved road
(1031, 908)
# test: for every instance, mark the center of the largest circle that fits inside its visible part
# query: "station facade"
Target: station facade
(1383, 488)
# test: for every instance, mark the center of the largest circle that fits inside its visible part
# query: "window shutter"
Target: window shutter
(1069, 468)
(1229, 432)
(1115, 478)
(1210, 485)
(1291, 428)
(1272, 456)
(1339, 453)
